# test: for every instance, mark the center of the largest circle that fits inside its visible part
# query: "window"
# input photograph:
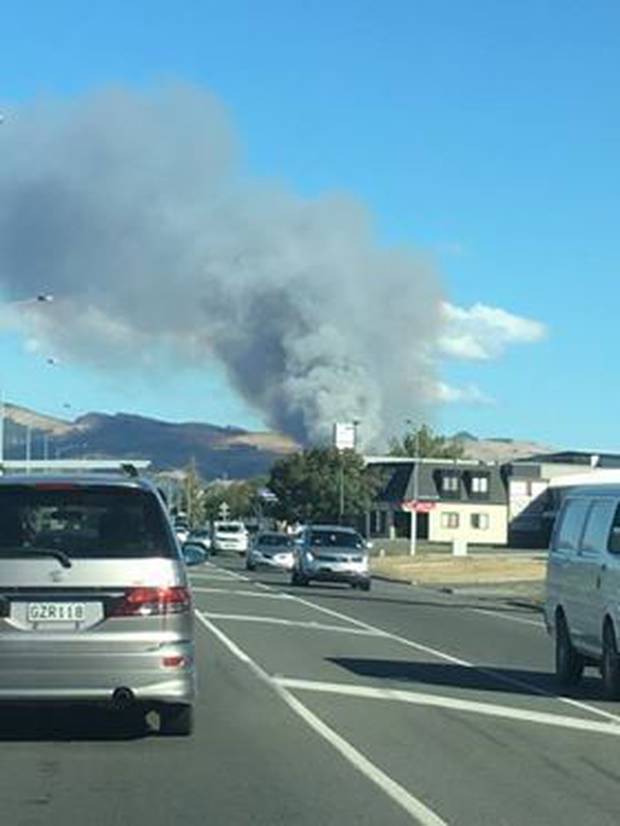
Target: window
(480, 521)
(84, 521)
(480, 484)
(450, 520)
(597, 527)
(613, 543)
(450, 483)
(570, 526)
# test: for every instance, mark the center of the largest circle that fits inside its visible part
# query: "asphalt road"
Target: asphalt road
(324, 705)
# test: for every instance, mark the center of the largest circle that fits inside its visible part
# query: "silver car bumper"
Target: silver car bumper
(163, 675)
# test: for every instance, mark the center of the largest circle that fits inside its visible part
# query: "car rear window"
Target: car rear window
(229, 528)
(85, 522)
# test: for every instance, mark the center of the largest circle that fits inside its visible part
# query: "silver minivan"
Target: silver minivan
(94, 599)
(582, 607)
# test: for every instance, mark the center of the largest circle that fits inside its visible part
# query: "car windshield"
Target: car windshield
(335, 539)
(82, 522)
(275, 540)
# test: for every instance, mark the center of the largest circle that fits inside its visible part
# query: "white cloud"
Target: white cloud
(449, 394)
(481, 332)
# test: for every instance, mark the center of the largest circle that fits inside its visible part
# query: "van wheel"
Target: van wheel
(569, 664)
(176, 720)
(610, 664)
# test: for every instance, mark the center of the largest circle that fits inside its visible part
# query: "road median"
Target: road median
(509, 575)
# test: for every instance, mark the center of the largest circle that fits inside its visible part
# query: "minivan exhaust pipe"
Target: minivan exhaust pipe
(123, 698)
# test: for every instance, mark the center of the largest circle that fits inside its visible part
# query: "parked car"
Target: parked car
(331, 553)
(194, 554)
(94, 598)
(202, 537)
(271, 550)
(230, 536)
(582, 610)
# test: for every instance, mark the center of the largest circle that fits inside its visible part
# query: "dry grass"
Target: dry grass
(471, 570)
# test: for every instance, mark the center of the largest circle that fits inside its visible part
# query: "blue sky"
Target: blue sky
(486, 133)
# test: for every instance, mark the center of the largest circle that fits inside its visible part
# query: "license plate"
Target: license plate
(56, 612)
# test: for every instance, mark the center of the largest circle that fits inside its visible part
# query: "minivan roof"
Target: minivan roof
(76, 481)
(595, 490)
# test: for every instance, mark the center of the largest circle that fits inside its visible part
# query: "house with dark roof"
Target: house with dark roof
(456, 500)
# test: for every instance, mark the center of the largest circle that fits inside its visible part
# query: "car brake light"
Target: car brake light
(146, 602)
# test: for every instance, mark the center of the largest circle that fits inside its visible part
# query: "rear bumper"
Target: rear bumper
(59, 675)
(265, 562)
(340, 575)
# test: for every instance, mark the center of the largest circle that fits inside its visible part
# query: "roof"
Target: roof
(83, 480)
(319, 527)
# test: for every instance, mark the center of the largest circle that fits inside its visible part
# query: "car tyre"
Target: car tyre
(569, 664)
(365, 585)
(176, 720)
(249, 566)
(610, 664)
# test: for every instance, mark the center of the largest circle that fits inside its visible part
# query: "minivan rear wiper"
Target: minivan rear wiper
(20, 550)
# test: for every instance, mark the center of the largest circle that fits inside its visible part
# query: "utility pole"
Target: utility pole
(413, 530)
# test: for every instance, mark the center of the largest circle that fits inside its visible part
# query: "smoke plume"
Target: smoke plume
(135, 210)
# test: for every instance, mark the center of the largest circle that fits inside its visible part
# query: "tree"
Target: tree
(309, 486)
(425, 443)
(242, 498)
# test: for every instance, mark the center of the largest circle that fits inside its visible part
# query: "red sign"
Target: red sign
(418, 507)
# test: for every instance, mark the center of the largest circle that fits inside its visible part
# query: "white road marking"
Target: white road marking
(222, 577)
(236, 593)
(263, 586)
(452, 703)
(489, 672)
(522, 620)
(414, 807)
(314, 626)
(442, 655)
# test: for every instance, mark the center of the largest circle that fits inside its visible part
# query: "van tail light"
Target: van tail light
(148, 602)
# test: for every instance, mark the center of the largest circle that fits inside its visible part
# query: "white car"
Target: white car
(582, 609)
(230, 536)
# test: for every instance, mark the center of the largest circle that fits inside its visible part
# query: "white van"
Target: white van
(582, 608)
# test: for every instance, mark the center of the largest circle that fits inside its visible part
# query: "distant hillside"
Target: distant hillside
(500, 450)
(218, 451)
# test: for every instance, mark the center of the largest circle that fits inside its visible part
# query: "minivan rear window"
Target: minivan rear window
(84, 522)
(571, 524)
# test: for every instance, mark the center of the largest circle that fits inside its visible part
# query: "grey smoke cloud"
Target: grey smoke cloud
(134, 209)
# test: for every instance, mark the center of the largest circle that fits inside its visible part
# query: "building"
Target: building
(461, 500)
(536, 485)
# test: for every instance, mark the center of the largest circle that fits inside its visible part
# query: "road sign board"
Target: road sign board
(418, 507)
(224, 511)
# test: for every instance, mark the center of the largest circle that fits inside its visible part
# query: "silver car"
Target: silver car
(271, 550)
(331, 553)
(94, 599)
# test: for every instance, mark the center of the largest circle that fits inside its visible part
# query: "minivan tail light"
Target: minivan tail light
(147, 602)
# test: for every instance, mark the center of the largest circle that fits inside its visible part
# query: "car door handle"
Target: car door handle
(600, 574)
